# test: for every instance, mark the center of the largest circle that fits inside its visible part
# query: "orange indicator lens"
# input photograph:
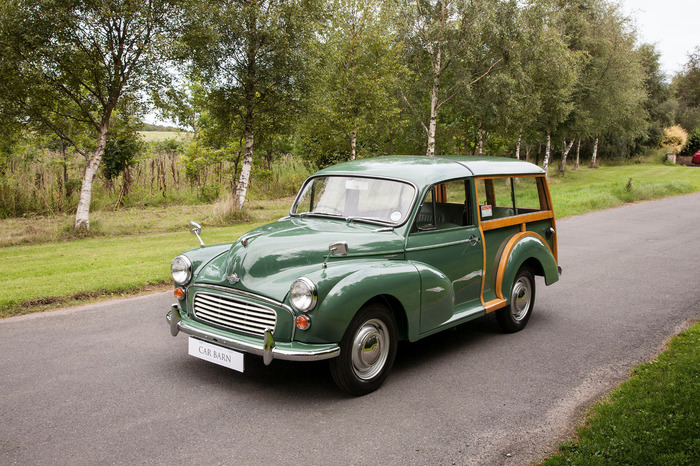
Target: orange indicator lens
(179, 293)
(303, 322)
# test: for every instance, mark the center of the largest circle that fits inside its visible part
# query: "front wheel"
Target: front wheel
(514, 317)
(367, 351)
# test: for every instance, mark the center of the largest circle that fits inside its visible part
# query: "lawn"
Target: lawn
(52, 274)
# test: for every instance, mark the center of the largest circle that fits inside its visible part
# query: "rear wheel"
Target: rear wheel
(367, 351)
(514, 317)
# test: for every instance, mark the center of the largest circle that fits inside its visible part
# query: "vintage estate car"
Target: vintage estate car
(373, 251)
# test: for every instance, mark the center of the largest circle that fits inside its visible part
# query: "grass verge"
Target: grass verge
(55, 274)
(652, 418)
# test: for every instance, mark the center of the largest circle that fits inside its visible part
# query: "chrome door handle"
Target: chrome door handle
(474, 240)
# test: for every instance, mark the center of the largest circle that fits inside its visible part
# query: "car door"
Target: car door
(445, 246)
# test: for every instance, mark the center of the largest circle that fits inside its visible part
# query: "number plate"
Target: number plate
(216, 354)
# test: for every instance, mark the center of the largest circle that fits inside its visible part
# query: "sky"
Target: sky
(672, 25)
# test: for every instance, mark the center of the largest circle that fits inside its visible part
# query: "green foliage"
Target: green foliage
(686, 87)
(319, 79)
(693, 144)
(67, 65)
(356, 70)
(124, 146)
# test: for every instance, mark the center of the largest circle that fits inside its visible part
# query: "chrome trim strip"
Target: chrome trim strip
(441, 245)
(267, 348)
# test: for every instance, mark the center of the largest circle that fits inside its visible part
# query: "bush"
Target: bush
(674, 138)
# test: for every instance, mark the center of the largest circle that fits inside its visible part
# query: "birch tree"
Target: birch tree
(441, 36)
(553, 82)
(252, 54)
(68, 63)
(609, 92)
(357, 69)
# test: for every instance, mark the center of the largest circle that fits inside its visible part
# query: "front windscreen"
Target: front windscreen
(353, 198)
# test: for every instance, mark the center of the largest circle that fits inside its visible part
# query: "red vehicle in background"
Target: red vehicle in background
(696, 157)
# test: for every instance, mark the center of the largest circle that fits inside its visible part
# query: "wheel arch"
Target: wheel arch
(396, 309)
(525, 249)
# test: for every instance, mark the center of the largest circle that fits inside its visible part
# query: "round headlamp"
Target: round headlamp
(181, 270)
(303, 294)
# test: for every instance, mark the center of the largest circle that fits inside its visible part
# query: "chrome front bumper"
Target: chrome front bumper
(267, 347)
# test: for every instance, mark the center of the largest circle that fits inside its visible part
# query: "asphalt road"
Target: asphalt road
(106, 383)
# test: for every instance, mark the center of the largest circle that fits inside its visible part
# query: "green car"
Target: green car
(372, 252)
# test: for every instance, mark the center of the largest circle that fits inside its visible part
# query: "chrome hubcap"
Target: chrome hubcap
(370, 349)
(520, 299)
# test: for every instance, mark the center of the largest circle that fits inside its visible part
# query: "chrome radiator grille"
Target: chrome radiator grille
(234, 313)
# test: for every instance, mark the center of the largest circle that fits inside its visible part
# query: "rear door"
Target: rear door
(509, 205)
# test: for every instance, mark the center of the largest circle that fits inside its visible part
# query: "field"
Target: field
(151, 136)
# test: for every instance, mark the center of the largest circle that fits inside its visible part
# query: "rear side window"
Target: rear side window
(510, 196)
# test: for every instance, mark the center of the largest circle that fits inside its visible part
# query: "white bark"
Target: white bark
(564, 154)
(432, 126)
(82, 214)
(595, 153)
(247, 167)
(353, 143)
(578, 155)
(480, 137)
(517, 146)
(547, 151)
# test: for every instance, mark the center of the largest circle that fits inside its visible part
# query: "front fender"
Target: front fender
(521, 248)
(337, 308)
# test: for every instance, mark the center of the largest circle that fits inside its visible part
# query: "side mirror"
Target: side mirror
(336, 249)
(196, 231)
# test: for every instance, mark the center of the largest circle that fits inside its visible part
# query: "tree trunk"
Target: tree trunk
(578, 155)
(517, 146)
(244, 179)
(467, 137)
(595, 152)
(547, 150)
(353, 142)
(564, 154)
(434, 104)
(480, 137)
(64, 152)
(82, 214)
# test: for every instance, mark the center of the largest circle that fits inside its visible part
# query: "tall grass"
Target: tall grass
(39, 181)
